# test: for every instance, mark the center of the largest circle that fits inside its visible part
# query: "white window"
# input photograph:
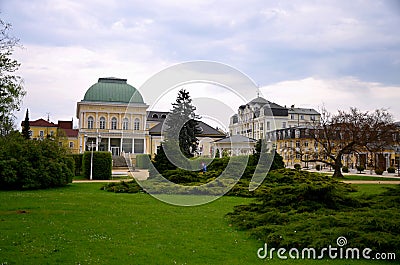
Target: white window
(102, 123)
(90, 123)
(284, 125)
(301, 117)
(297, 133)
(113, 123)
(136, 124)
(292, 116)
(268, 126)
(41, 133)
(125, 124)
(71, 144)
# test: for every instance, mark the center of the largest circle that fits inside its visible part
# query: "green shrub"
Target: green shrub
(143, 161)
(297, 166)
(301, 209)
(30, 164)
(318, 167)
(102, 165)
(345, 169)
(360, 168)
(78, 159)
(379, 171)
(391, 170)
(123, 187)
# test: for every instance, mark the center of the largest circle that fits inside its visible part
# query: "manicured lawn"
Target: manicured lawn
(81, 224)
(362, 177)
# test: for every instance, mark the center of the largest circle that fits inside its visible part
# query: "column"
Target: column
(133, 145)
(82, 120)
(109, 144)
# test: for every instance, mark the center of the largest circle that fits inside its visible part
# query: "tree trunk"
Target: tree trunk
(338, 166)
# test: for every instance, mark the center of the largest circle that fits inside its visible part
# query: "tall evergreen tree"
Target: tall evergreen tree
(26, 127)
(182, 125)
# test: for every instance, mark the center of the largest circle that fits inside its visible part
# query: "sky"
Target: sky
(308, 53)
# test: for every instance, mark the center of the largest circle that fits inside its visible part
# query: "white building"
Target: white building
(261, 116)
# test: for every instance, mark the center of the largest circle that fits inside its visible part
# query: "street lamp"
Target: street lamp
(91, 154)
(397, 153)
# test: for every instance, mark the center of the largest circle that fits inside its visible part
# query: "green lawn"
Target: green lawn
(362, 177)
(81, 224)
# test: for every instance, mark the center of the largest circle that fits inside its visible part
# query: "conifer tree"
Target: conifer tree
(182, 125)
(26, 127)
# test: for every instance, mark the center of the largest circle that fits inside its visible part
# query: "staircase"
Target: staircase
(119, 161)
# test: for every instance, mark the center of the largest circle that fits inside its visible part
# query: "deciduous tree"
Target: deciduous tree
(11, 89)
(349, 132)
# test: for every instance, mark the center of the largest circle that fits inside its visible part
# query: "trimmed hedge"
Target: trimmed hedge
(391, 170)
(345, 169)
(102, 165)
(143, 161)
(78, 158)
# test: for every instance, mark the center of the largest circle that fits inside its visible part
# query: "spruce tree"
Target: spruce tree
(182, 125)
(26, 127)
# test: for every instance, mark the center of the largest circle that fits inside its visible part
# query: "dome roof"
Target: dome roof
(113, 89)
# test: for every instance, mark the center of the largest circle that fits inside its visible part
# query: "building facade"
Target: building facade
(261, 116)
(297, 146)
(62, 131)
(112, 117)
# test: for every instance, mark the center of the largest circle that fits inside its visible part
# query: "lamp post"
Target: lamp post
(397, 153)
(91, 153)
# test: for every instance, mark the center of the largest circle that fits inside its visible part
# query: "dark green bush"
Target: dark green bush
(297, 166)
(301, 209)
(142, 161)
(30, 164)
(345, 169)
(318, 167)
(102, 165)
(123, 187)
(78, 159)
(379, 171)
(360, 168)
(391, 170)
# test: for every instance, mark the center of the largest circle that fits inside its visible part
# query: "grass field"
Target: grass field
(81, 224)
(362, 177)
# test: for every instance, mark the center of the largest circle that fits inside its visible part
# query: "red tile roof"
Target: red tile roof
(71, 132)
(65, 124)
(41, 123)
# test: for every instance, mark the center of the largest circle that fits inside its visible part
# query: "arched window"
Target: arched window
(155, 116)
(102, 123)
(125, 124)
(90, 122)
(113, 123)
(136, 124)
(163, 116)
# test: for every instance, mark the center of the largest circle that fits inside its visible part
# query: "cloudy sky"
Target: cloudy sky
(308, 53)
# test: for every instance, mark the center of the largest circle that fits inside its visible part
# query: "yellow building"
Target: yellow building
(63, 132)
(112, 117)
(297, 146)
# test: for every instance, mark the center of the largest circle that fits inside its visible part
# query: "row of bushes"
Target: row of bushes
(345, 169)
(102, 164)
